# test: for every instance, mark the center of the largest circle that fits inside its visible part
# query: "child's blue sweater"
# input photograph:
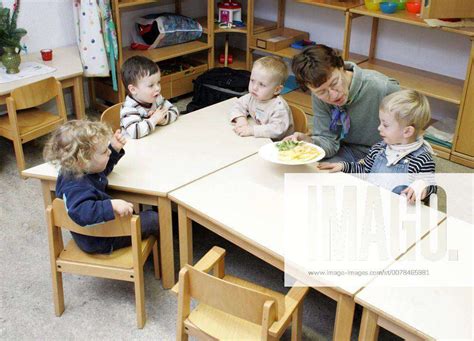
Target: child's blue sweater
(88, 204)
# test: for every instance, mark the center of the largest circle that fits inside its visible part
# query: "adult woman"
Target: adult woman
(346, 102)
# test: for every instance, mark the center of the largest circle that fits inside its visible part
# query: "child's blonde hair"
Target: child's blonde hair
(73, 144)
(409, 107)
(275, 66)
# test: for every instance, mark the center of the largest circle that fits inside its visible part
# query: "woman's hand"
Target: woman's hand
(118, 141)
(331, 167)
(299, 137)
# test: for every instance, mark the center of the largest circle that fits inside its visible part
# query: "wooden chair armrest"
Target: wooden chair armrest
(206, 263)
(292, 300)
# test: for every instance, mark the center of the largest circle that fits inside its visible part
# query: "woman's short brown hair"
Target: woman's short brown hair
(73, 144)
(315, 64)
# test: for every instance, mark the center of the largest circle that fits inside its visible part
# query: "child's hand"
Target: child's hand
(118, 141)
(122, 207)
(161, 115)
(410, 193)
(240, 121)
(332, 167)
(244, 130)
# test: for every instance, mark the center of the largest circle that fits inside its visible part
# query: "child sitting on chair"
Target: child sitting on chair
(264, 103)
(144, 106)
(82, 150)
(403, 116)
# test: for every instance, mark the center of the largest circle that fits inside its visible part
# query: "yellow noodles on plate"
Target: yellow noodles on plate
(300, 153)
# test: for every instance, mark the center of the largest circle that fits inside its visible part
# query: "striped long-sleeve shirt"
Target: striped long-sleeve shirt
(134, 118)
(421, 163)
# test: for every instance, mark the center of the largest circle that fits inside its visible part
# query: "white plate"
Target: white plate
(269, 152)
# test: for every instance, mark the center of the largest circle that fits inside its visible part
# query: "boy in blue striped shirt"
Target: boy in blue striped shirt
(403, 116)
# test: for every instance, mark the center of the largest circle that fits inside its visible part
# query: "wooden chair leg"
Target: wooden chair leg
(58, 293)
(20, 158)
(297, 324)
(140, 298)
(156, 260)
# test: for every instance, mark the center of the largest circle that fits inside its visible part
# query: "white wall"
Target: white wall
(50, 24)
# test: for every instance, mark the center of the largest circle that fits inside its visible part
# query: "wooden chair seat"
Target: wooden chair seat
(31, 123)
(220, 325)
(121, 258)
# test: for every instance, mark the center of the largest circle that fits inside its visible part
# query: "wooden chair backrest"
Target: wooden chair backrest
(120, 226)
(34, 94)
(111, 116)
(299, 119)
(231, 298)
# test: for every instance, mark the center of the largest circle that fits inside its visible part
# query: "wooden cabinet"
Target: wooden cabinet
(447, 9)
(463, 149)
(172, 85)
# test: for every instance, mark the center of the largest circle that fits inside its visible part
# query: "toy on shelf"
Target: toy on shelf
(222, 59)
(301, 44)
(229, 11)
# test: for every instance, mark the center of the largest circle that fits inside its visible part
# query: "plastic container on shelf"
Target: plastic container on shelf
(388, 7)
(372, 5)
(413, 7)
(401, 4)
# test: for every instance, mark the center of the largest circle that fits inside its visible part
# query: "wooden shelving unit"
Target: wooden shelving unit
(157, 55)
(441, 87)
(431, 84)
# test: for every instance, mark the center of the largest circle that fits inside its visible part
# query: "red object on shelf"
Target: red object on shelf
(222, 58)
(46, 54)
(413, 7)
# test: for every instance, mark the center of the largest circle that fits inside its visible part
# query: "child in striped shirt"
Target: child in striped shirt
(144, 107)
(403, 116)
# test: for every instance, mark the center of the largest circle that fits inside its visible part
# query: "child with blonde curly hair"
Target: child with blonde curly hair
(82, 151)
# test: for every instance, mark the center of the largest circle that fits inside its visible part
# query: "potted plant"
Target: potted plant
(10, 37)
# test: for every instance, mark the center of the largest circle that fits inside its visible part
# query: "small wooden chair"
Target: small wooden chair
(232, 308)
(26, 122)
(124, 264)
(299, 119)
(111, 116)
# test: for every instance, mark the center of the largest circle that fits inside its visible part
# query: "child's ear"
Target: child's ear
(132, 89)
(408, 131)
(278, 89)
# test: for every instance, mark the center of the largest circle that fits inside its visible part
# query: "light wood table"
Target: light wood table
(194, 146)
(244, 203)
(69, 72)
(413, 310)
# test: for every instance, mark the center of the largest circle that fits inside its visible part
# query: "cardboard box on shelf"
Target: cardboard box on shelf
(277, 39)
